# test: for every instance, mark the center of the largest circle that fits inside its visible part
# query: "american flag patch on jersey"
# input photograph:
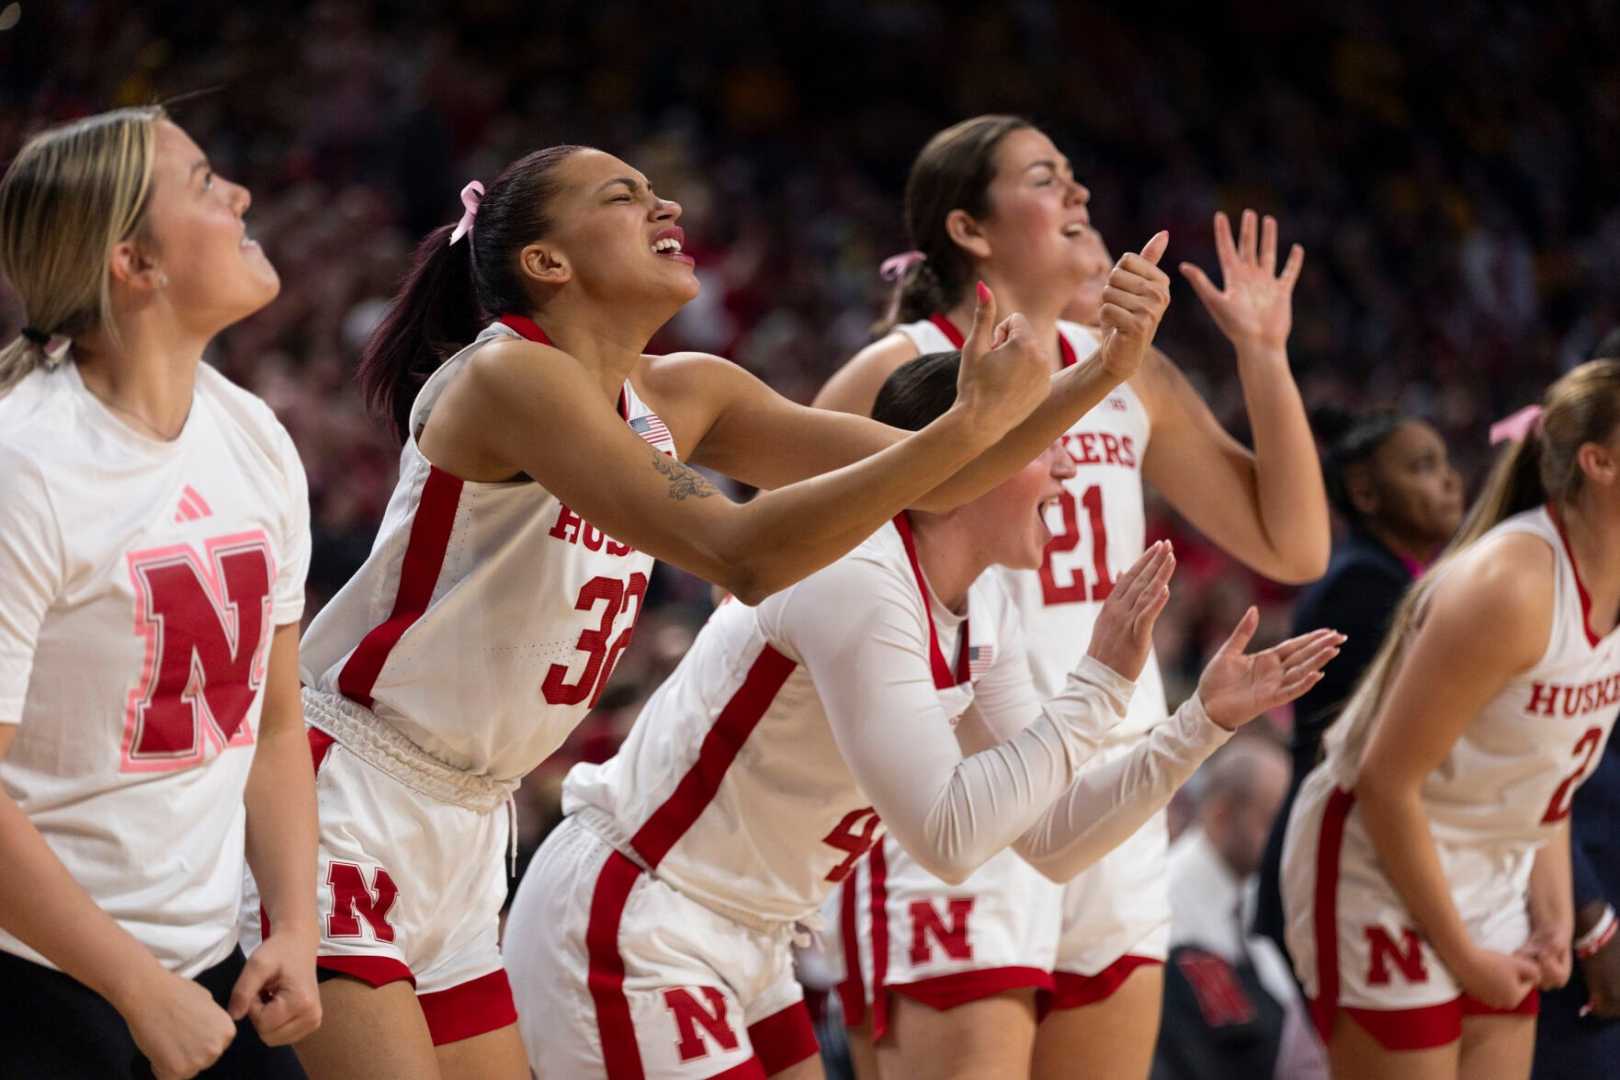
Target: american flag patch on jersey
(980, 657)
(649, 427)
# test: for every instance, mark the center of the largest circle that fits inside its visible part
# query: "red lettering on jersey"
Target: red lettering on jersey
(1586, 748)
(953, 938)
(1408, 956)
(1111, 449)
(567, 525)
(574, 529)
(600, 653)
(1577, 700)
(1215, 985)
(845, 838)
(1088, 449)
(690, 1014)
(1127, 452)
(353, 899)
(207, 630)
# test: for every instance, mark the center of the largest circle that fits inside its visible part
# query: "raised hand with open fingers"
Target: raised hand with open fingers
(1123, 634)
(1254, 307)
(1133, 302)
(1004, 374)
(1236, 686)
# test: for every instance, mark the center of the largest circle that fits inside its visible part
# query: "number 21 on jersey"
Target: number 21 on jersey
(1066, 538)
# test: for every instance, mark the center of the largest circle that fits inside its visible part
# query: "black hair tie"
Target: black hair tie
(35, 336)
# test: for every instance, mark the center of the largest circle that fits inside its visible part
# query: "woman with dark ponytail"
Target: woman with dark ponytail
(1426, 868)
(992, 198)
(546, 463)
(1389, 478)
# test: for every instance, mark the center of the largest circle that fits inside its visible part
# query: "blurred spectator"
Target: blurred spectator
(1232, 1008)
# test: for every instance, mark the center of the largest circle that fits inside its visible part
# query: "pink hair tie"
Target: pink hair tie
(895, 266)
(471, 196)
(1517, 427)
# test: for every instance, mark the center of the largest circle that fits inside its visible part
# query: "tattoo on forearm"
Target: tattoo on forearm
(684, 480)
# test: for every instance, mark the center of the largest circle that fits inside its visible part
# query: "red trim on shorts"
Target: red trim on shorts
(1429, 1026)
(783, 1039)
(1325, 911)
(954, 336)
(748, 1070)
(374, 971)
(431, 525)
(473, 1008)
(944, 678)
(615, 1028)
(851, 991)
(944, 992)
(719, 749)
(880, 941)
(1592, 639)
(1072, 990)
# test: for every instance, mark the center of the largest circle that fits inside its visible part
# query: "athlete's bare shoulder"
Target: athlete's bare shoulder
(854, 387)
(1502, 586)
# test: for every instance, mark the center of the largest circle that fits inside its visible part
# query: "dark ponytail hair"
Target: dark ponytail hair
(451, 290)
(1349, 439)
(952, 172)
(919, 391)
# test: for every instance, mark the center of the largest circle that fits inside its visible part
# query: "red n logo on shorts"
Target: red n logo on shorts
(353, 900)
(207, 630)
(689, 1014)
(1408, 956)
(953, 938)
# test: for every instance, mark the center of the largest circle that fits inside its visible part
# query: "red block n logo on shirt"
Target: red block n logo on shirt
(354, 899)
(207, 628)
(951, 936)
(690, 1015)
(1408, 956)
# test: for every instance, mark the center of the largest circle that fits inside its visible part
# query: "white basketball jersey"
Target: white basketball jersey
(142, 585)
(1098, 530)
(488, 616)
(731, 786)
(1512, 774)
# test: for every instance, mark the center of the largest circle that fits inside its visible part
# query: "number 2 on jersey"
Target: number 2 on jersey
(600, 656)
(1067, 539)
(1586, 748)
(845, 837)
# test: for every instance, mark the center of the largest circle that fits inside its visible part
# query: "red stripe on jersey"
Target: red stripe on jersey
(944, 678)
(954, 336)
(617, 1031)
(880, 941)
(852, 991)
(1592, 639)
(948, 328)
(418, 573)
(1325, 911)
(720, 746)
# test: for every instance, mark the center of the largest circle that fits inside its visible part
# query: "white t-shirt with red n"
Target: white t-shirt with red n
(143, 581)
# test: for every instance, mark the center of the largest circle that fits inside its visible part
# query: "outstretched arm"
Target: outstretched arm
(1267, 507)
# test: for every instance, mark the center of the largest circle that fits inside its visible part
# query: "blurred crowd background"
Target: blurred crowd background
(1451, 172)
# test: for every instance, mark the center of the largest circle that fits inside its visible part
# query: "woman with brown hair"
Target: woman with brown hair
(1426, 869)
(992, 198)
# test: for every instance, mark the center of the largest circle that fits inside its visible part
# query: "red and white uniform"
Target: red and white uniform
(651, 933)
(143, 582)
(479, 632)
(1502, 792)
(1115, 914)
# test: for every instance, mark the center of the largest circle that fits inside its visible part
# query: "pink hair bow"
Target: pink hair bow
(895, 266)
(471, 196)
(1517, 427)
